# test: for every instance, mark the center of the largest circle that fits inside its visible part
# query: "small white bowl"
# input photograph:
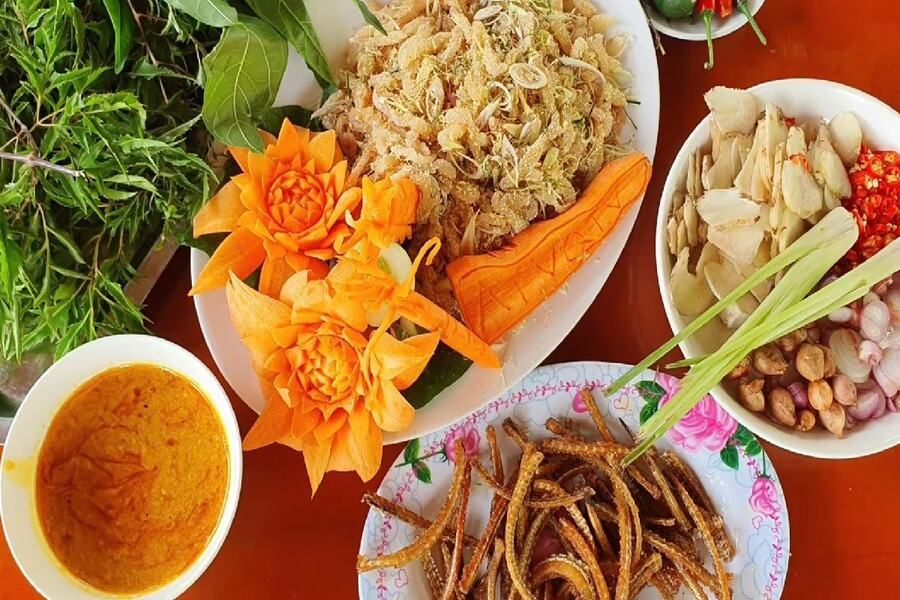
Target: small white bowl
(18, 470)
(694, 29)
(805, 100)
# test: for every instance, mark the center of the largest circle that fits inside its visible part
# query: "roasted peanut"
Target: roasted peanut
(751, 395)
(781, 407)
(811, 362)
(741, 369)
(806, 420)
(789, 342)
(819, 394)
(830, 368)
(834, 419)
(844, 390)
(768, 360)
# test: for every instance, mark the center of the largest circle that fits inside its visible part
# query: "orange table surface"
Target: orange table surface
(845, 540)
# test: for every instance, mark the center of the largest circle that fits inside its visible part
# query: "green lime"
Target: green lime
(675, 9)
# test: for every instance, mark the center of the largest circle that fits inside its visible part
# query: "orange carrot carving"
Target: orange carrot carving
(497, 290)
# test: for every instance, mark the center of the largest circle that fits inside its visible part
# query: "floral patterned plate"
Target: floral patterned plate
(727, 458)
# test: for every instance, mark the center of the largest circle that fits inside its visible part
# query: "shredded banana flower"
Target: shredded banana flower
(500, 111)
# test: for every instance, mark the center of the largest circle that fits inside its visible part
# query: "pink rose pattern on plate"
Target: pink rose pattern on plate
(708, 440)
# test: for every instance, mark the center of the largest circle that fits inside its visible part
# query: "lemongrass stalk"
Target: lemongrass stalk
(833, 225)
(686, 362)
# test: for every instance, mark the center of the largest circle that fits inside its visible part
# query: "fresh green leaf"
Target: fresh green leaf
(216, 13)
(444, 368)
(650, 391)
(729, 456)
(647, 411)
(370, 18)
(123, 28)
(411, 452)
(290, 18)
(242, 77)
(423, 473)
(753, 448)
(147, 70)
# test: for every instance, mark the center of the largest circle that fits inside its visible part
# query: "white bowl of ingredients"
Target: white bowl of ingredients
(811, 106)
(121, 473)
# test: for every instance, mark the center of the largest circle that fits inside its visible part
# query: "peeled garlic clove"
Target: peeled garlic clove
(690, 293)
(690, 178)
(727, 207)
(735, 111)
(846, 137)
(706, 165)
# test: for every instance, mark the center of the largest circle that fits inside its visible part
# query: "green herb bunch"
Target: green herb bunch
(100, 154)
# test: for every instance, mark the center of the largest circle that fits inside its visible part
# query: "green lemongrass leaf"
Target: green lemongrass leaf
(123, 29)
(216, 13)
(242, 77)
(370, 18)
(291, 19)
(685, 362)
(835, 223)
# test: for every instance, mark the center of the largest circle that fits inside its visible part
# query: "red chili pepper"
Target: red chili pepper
(874, 203)
(706, 9)
(726, 7)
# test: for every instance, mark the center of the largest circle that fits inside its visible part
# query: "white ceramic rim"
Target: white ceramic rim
(478, 386)
(766, 430)
(27, 543)
(685, 30)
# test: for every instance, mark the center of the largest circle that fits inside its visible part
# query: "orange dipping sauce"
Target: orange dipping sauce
(131, 478)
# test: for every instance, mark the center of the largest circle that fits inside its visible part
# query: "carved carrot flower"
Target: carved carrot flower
(387, 215)
(285, 211)
(332, 385)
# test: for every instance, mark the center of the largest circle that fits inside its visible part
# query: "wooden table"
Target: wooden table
(845, 531)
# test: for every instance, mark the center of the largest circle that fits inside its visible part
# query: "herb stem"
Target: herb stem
(31, 160)
(23, 129)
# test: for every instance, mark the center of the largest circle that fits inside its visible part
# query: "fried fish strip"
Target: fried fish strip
(569, 569)
(402, 513)
(666, 491)
(647, 568)
(432, 574)
(722, 576)
(462, 511)
(686, 475)
(561, 500)
(493, 569)
(515, 433)
(529, 465)
(496, 455)
(484, 543)
(433, 533)
(587, 555)
(597, 527)
(587, 396)
(678, 557)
